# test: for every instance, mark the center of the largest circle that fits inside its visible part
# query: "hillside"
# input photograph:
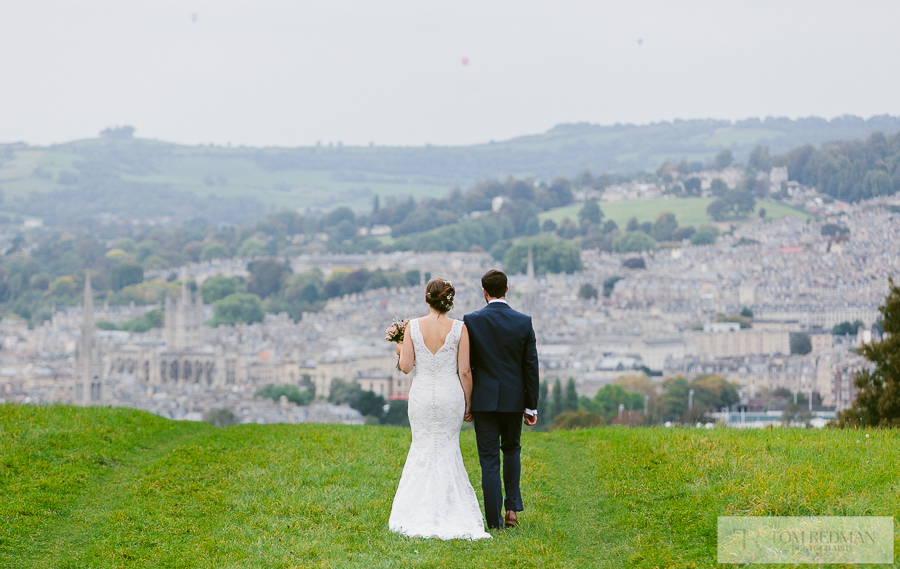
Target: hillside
(147, 179)
(107, 487)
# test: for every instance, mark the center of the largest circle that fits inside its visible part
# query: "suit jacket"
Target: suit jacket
(504, 360)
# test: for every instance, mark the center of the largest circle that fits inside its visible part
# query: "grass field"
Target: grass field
(107, 487)
(688, 211)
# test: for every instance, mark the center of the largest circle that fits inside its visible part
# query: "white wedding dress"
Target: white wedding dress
(434, 497)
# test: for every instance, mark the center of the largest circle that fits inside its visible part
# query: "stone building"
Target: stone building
(727, 339)
(182, 358)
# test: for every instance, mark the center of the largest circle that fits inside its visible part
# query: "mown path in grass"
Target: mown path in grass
(120, 488)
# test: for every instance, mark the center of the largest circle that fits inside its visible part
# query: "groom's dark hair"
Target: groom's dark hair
(494, 283)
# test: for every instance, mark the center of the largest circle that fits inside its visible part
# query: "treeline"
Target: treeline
(373, 407)
(272, 287)
(635, 400)
(850, 170)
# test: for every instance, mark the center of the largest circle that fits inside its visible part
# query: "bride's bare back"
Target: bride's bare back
(434, 329)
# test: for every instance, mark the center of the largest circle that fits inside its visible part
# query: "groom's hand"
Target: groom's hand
(530, 420)
(468, 418)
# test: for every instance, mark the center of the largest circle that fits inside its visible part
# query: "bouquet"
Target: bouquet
(394, 332)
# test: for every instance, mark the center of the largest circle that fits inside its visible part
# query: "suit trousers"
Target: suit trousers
(495, 432)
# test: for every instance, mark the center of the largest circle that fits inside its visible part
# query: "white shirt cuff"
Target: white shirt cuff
(531, 411)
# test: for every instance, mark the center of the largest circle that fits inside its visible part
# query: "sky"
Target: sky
(391, 72)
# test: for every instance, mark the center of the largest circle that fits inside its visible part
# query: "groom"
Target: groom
(505, 384)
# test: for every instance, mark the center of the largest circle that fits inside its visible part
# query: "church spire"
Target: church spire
(88, 359)
(88, 314)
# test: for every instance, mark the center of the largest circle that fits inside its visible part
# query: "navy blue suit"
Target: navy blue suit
(505, 382)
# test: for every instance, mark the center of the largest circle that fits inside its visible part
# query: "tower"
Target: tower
(88, 359)
(183, 319)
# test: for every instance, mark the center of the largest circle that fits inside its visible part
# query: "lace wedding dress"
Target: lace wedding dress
(434, 497)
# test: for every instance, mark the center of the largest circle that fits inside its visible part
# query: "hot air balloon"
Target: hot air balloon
(465, 61)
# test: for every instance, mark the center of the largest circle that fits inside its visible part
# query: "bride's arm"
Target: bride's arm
(407, 353)
(465, 370)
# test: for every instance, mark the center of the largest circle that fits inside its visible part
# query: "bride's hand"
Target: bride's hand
(397, 348)
(467, 417)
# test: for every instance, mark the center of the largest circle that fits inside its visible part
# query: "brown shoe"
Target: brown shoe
(510, 520)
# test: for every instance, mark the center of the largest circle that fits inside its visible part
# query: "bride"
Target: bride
(434, 497)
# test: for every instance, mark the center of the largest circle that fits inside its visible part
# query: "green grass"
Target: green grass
(108, 487)
(688, 211)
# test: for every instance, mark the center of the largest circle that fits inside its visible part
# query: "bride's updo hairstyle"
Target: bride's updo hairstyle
(439, 294)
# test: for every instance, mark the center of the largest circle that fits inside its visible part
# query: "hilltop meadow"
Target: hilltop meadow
(112, 487)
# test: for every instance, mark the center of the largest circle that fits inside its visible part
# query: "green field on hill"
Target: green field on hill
(688, 211)
(112, 487)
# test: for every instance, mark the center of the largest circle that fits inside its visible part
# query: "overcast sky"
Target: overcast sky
(290, 73)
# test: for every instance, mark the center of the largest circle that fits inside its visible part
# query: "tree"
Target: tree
(845, 328)
(609, 284)
(543, 407)
(740, 202)
(523, 215)
(252, 247)
(718, 187)
(559, 192)
(118, 132)
(587, 291)
(590, 212)
(567, 229)
(877, 402)
(683, 233)
(367, 403)
(218, 287)
(664, 226)
(220, 417)
(800, 343)
(760, 159)
(832, 229)
(397, 414)
(124, 274)
(237, 308)
(746, 312)
(608, 398)
(724, 159)
(571, 401)
(634, 242)
(557, 401)
(266, 277)
(718, 209)
(214, 250)
(550, 255)
(342, 391)
(693, 186)
(711, 393)
(291, 392)
(703, 237)
(151, 319)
